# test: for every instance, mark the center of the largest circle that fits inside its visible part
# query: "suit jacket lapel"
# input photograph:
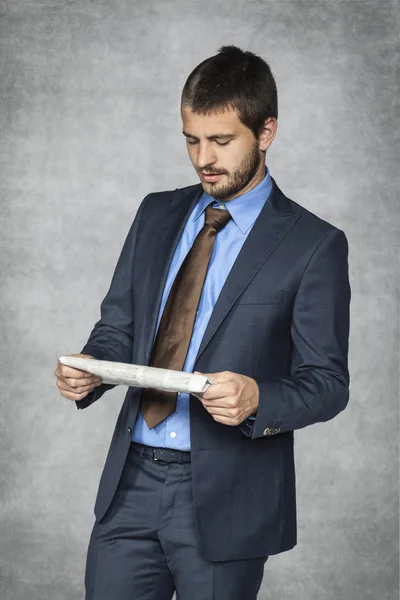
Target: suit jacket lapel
(273, 223)
(177, 212)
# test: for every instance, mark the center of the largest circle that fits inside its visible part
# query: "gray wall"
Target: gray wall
(90, 124)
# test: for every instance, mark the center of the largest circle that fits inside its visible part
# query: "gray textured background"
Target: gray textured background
(89, 124)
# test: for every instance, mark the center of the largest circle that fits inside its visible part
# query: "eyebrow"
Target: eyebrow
(217, 136)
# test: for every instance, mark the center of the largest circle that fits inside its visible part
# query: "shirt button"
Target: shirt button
(173, 434)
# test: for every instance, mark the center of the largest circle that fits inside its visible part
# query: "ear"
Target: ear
(268, 133)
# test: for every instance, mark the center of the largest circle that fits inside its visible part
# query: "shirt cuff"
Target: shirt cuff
(247, 426)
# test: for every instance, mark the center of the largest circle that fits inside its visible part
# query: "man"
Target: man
(232, 279)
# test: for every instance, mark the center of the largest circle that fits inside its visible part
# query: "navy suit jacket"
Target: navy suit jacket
(281, 318)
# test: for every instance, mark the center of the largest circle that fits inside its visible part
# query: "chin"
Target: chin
(209, 188)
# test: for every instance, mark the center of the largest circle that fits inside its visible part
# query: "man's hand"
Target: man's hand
(232, 399)
(75, 384)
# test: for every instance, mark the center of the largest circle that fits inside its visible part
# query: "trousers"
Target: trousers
(147, 548)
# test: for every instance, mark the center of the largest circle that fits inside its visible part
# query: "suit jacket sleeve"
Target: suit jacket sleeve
(112, 336)
(318, 386)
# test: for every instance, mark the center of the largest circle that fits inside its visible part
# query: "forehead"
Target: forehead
(222, 121)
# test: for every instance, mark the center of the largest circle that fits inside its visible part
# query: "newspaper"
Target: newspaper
(118, 373)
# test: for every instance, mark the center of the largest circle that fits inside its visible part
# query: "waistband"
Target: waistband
(163, 454)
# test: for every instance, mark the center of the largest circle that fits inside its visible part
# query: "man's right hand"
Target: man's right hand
(75, 384)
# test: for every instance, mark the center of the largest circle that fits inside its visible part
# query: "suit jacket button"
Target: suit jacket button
(130, 430)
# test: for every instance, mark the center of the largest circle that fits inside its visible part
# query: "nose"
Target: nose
(205, 156)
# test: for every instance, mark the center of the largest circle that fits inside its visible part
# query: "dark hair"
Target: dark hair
(233, 78)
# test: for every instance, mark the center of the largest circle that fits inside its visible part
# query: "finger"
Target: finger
(77, 389)
(232, 413)
(215, 396)
(60, 373)
(74, 383)
(67, 371)
(219, 391)
(226, 402)
(226, 420)
(217, 377)
(73, 395)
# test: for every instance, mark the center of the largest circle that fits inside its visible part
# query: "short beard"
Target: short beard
(241, 177)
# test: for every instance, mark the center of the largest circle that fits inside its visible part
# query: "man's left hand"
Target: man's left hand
(232, 399)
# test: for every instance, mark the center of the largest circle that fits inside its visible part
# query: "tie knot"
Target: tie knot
(217, 217)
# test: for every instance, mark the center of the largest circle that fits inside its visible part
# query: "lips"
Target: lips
(210, 177)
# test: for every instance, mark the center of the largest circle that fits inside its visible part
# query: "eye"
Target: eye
(223, 143)
(192, 142)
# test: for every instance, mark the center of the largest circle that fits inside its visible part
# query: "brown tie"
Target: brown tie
(177, 322)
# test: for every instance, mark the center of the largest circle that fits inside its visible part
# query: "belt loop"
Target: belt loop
(141, 450)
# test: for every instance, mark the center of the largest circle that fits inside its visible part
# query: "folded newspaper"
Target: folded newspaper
(118, 373)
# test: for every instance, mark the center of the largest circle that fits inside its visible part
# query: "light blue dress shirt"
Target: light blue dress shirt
(174, 431)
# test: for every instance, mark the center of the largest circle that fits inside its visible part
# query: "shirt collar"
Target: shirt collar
(245, 208)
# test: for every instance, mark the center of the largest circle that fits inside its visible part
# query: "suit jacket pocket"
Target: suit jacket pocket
(250, 296)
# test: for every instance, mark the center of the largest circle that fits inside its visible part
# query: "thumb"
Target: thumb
(208, 375)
